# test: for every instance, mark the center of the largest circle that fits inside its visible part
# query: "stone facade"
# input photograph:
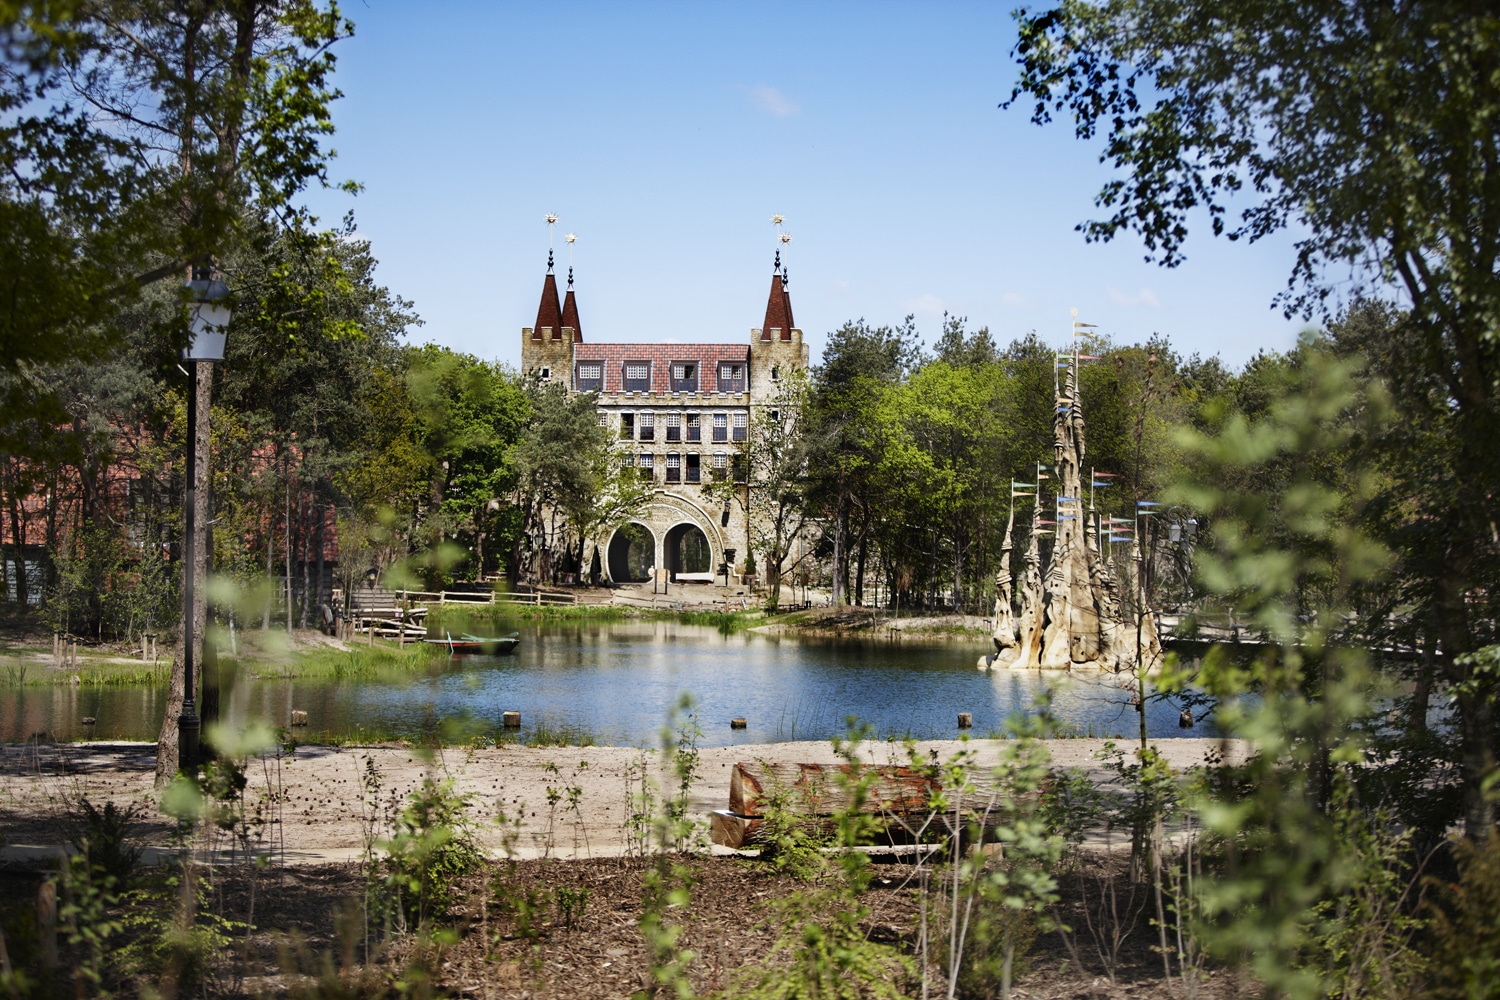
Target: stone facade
(681, 415)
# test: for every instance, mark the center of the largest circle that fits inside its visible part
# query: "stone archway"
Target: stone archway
(662, 514)
(632, 553)
(686, 549)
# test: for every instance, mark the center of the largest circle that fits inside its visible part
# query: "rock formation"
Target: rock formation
(1070, 615)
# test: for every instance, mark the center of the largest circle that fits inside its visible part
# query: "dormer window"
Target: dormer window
(731, 376)
(684, 376)
(637, 376)
(590, 376)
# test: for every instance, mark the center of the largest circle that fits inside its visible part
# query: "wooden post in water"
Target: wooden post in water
(965, 720)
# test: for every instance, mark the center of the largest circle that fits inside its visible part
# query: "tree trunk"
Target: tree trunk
(208, 706)
(286, 568)
(166, 742)
(265, 619)
(17, 532)
(859, 565)
(839, 558)
(305, 506)
(318, 541)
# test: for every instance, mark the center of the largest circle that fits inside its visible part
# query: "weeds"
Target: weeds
(430, 847)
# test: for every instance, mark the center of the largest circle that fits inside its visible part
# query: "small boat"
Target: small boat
(502, 645)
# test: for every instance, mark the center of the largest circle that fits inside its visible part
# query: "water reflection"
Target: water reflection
(616, 681)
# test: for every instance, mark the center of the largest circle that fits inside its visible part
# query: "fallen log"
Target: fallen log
(900, 798)
(819, 789)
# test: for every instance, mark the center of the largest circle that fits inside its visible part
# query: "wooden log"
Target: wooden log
(299, 717)
(511, 720)
(816, 789)
(738, 723)
(728, 830)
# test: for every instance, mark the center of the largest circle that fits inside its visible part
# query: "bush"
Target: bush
(103, 837)
(1466, 926)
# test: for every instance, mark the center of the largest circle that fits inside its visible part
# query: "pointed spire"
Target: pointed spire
(778, 308)
(570, 311)
(778, 304)
(570, 304)
(549, 312)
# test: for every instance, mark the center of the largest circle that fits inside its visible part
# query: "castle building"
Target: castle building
(682, 415)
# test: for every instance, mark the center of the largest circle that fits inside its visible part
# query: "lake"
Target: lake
(615, 682)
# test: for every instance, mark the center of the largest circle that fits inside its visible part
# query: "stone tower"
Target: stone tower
(547, 347)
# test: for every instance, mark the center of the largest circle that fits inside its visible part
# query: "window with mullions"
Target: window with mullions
(721, 465)
(721, 427)
(637, 376)
(674, 427)
(590, 376)
(684, 376)
(731, 376)
(648, 469)
(741, 426)
(648, 426)
(694, 431)
(674, 468)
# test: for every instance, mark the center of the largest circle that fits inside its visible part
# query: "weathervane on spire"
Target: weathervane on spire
(570, 239)
(551, 220)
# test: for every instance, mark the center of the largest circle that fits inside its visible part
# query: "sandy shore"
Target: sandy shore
(319, 804)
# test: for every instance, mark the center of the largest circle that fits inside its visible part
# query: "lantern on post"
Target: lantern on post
(209, 316)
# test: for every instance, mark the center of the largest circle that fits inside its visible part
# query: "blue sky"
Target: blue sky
(666, 135)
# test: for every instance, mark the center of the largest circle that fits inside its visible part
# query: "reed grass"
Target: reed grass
(547, 735)
(359, 663)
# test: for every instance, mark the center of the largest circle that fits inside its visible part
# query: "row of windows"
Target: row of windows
(682, 426)
(686, 468)
(636, 376)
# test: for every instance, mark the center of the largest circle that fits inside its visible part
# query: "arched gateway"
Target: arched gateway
(670, 532)
(632, 551)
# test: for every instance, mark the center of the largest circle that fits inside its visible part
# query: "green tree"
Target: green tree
(571, 485)
(1372, 131)
(859, 362)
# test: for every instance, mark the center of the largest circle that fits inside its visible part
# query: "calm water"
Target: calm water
(616, 683)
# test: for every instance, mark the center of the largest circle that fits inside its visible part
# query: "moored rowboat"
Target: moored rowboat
(502, 645)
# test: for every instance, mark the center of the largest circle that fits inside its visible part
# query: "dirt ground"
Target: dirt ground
(319, 807)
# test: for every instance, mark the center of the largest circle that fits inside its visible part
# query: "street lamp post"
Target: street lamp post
(210, 318)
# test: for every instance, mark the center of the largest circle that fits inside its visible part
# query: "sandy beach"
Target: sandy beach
(321, 804)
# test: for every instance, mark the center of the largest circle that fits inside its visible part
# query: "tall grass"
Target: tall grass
(359, 663)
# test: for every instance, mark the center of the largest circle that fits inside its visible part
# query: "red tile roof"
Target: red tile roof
(661, 356)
